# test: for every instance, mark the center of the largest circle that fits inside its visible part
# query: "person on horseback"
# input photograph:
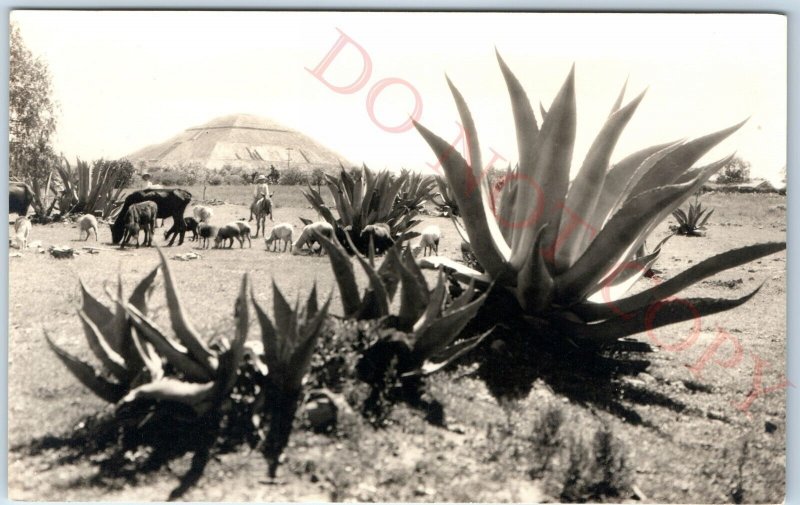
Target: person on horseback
(261, 191)
(273, 175)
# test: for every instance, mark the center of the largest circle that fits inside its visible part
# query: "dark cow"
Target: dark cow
(20, 198)
(140, 216)
(170, 202)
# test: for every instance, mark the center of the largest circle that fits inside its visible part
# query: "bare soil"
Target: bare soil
(726, 444)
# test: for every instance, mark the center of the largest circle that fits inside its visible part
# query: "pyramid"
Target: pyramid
(239, 140)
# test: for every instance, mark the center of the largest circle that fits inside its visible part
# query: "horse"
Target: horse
(262, 208)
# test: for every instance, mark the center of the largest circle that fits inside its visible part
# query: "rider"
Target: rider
(261, 190)
(273, 173)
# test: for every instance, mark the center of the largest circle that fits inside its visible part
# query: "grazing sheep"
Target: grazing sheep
(202, 213)
(229, 232)
(307, 237)
(87, 223)
(22, 230)
(140, 216)
(381, 236)
(429, 240)
(280, 233)
(206, 232)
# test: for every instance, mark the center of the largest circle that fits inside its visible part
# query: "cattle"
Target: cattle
(379, 234)
(261, 208)
(20, 198)
(140, 216)
(87, 223)
(308, 236)
(22, 231)
(170, 203)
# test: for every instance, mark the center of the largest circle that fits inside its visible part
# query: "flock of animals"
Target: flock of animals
(142, 209)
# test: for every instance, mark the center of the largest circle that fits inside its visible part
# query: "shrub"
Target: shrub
(215, 180)
(293, 176)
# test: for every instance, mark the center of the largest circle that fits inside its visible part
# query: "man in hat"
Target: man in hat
(148, 182)
(261, 190)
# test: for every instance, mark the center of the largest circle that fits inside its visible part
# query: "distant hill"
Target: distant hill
(240, 140)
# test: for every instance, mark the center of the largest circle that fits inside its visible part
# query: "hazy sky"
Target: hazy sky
(128, 79)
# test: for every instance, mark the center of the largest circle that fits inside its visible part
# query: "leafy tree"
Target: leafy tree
(735, 171)
(32, 118)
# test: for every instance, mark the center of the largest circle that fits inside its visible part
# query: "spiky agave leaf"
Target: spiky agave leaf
(183, 328)
(88, 375)
(663, 290)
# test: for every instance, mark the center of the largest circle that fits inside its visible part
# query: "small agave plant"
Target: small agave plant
(568, 252)
(141, 363)
(424, 333)
(289, 344)
(692, 222)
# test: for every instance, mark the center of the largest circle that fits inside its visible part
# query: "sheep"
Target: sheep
(308, 237)
(429, 240)
(280, 233)
(246, 231)
(229, 232)
(87, 223)
(22, 230)
(202, 214)
(381, 236)
(206, 232)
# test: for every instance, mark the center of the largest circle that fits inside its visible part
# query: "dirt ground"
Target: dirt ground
(726, 445)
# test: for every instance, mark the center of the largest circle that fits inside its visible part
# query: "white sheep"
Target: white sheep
(202, 214)
(87, 223)
(22, 230)
(429, 239)
(308, 236)
(280, 233)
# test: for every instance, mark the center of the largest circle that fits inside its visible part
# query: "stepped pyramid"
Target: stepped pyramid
(239, 140)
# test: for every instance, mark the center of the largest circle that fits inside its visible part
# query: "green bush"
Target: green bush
(293, 176)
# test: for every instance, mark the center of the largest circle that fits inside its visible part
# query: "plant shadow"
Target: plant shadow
(520, 352)
(126, 445)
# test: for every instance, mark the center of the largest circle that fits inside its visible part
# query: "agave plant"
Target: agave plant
(89, 188)
(140, 362)
(366, 197)
(421, 338)
(203, 377)
(567, 252)
(288, 343)
(692, 222)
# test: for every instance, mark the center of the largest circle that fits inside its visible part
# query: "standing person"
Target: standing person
(261, 190)
(148, 182)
